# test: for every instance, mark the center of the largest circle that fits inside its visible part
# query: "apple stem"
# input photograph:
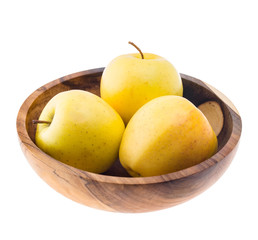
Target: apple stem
(137, 49)
(40, 121)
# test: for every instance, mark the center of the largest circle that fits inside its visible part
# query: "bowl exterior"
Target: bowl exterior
(119, 197)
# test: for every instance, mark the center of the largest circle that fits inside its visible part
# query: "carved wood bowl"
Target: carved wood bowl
(115, 190)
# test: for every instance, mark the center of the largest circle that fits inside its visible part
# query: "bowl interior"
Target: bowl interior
(194, 90)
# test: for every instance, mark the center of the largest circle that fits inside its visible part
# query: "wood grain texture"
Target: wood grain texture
(115, 190)
(212, 111)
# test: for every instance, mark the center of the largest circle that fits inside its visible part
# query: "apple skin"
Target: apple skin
(128, 82)
(85, 132)
(167, 134)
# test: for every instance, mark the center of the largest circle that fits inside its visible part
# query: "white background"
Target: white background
(215, 41)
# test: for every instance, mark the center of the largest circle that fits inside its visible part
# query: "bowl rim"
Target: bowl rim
(30, 146)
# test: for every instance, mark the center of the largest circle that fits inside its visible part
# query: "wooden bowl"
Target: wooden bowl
(115, 190)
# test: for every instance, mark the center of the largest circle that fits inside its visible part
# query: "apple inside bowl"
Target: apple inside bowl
(115, 190)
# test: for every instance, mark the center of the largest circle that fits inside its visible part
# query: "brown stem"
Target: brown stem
(40, 121)
(137, 49)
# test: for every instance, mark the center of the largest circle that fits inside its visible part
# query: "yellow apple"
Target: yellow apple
(81, 130)
(165, 135)
(131, 80)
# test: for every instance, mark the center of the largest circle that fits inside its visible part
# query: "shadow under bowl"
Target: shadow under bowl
(115, 190)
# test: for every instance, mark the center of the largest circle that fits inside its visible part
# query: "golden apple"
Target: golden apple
(131, 80)
(80, 129)
(165, 135)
